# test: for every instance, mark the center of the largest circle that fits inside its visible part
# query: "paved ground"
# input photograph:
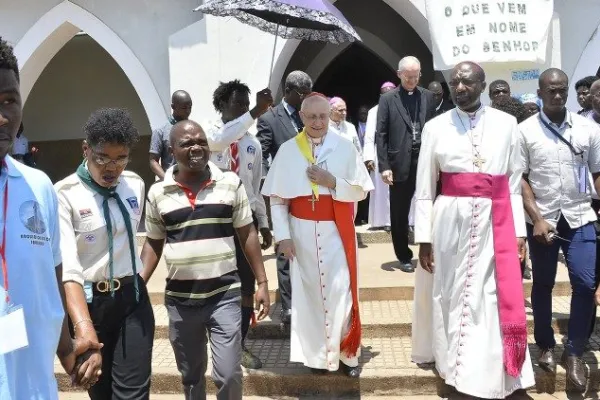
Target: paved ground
(555, 396)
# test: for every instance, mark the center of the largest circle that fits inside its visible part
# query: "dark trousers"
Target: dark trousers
(247, 279)
(283, 267)
(580, 256)
(596, 207)
(188, 328)
(283, 280)
(362, 212)
(126, 328)
(401, 194)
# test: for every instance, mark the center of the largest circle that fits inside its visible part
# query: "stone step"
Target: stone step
(519, 396)
(364, 235)
(386, 370)
(379, 276)
(388, 318)
(394, 293)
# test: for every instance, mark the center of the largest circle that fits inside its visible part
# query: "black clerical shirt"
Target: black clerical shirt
(412, 104)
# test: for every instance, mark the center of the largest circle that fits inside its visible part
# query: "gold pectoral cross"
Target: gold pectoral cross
(478, 162)
(313, 199)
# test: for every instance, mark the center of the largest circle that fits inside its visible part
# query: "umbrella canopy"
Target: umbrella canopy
(316, 20)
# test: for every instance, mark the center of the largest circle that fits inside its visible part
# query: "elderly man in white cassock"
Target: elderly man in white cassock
(469, 316)
(313, 183)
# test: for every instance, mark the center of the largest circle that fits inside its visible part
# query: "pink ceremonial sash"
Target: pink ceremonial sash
(511, 300)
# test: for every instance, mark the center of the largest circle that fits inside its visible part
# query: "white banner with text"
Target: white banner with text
(488, 31)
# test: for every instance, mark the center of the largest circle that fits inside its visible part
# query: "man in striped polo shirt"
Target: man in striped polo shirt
(196, 210)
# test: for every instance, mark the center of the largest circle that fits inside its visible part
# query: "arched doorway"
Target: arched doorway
(387, 37)
(71, 64)
(78, 80)
(355, 75)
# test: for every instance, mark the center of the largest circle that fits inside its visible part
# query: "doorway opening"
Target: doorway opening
(355, 75)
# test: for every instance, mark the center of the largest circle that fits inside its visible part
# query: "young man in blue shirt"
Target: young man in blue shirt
(33, 327)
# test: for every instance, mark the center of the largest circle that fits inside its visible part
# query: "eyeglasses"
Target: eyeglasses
(102, 160)
(316, 117)
(301, 95)
(411, 77)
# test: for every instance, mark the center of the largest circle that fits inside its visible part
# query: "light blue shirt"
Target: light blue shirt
(32, 254)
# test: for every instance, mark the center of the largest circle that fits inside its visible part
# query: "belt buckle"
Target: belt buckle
(104, 286)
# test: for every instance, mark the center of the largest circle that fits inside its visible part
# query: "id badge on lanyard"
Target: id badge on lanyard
(582, 169)
(583, 177)
(13, 330)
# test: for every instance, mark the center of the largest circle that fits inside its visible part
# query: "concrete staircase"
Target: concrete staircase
(386, 306)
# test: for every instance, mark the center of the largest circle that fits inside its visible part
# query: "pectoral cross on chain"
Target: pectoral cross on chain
(478, 162)
(313, 199)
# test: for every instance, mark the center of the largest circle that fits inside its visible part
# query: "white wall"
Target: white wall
(143, 25)
(80, 79)
(219, 49)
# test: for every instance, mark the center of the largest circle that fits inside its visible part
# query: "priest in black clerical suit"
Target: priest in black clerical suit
(400, 119)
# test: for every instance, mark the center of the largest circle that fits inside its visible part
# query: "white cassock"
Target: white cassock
(455, 317)
(322, 300)
(379, 200)
(348, 131)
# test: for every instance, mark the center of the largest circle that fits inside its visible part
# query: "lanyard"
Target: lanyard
(561, 138)
(3, 247)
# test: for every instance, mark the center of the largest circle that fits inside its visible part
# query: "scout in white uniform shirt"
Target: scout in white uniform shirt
(317, 235)
(33, 327)
(234, 149)
(100, 210)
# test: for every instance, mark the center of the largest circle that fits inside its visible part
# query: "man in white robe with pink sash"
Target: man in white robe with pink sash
(469, 308)
(313, 183)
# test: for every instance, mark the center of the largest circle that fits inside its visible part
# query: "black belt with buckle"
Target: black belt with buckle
(103, 287)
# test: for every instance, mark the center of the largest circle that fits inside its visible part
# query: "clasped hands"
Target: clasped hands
(83, 363)
(320, 176)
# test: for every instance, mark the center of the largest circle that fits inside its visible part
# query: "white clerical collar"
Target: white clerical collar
(338, 125)
(439, 106)
(472, 115)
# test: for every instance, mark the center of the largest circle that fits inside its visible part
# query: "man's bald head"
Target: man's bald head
(182, 128)
(595, 96)
(595, 88)
(189, 147)
(181, 103)
(180, 96)
(316, 102)
(467, 82)
(469, 66)
(438, 91)
(552, 74)
(435, 87)
(553, 90)
(339, 110)
(315, 112)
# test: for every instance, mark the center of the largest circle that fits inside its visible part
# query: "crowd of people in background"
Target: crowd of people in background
(524, 169)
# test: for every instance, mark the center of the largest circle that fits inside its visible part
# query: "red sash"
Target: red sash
(509, 286)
